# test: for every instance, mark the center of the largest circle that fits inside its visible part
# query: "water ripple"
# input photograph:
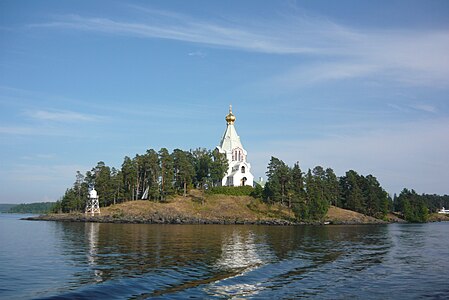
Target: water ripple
(123, 261)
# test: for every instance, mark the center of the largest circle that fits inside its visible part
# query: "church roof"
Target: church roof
(230, 138)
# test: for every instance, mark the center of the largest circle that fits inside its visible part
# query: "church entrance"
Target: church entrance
(243, 181)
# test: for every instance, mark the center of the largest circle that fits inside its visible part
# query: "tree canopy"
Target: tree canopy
(154, 176)
(311, 193)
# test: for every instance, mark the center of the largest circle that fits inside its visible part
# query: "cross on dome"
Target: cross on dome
(230, 118)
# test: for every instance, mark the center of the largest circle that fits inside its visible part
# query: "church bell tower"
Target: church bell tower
(239, 170)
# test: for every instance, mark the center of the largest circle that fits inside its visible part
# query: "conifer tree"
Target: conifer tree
(317, 203)
(298, 195)
(202, 161)
(154, 172)
(276, 188)
(183, 169)
(218, 167)
(351, 192)
(129, 172)
(332, 187)
(167, 173)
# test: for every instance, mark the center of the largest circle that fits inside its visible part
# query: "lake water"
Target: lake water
(52, 260)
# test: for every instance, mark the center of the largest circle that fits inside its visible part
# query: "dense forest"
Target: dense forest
(416, 208)
(32, 208)
(157, 175)
(311, 193)
(153, 176)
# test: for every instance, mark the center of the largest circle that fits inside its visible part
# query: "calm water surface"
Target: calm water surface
(51, 260)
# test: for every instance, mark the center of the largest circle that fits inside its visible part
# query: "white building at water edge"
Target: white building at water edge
(444, 211)
(92, 203)
(239, 171)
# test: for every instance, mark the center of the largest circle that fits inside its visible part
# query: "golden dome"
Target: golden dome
(230, 118)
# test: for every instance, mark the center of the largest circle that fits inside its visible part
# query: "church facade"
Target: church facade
(239, 170)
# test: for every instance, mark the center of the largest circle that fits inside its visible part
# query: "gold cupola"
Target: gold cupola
(230, 118)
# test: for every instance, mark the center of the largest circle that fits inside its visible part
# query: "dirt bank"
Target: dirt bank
(198, 208)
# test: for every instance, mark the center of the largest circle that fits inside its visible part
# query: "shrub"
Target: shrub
(231, 190)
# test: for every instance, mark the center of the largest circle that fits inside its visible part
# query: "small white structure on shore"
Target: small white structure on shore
(239, 170)
(92, 204)
(444, 211)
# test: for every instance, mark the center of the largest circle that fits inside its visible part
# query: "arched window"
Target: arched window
(243, 169)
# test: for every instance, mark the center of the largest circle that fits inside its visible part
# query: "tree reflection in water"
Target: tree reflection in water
(214, 260)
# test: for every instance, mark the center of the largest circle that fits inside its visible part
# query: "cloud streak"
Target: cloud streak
(62, 116)
(425, 108)
(410, 57)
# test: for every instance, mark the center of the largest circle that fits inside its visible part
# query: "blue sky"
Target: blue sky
(360, 85)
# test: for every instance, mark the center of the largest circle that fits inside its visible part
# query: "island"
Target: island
(201, 208)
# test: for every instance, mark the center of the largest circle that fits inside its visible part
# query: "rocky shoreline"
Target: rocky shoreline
(158, 219)
(222, 210)
(155, 219)
(141, 212)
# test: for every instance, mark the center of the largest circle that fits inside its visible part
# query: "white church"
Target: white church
(239, 171)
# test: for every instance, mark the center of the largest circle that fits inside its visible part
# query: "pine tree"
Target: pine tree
(351, 192)
(129, 172)
(278, 173)
(317, 203)
(167, 173)
(298, 195)
(153, 174)
(103, 183)
(332, 187)
(183, 169)
(218, 167)
(202, 161)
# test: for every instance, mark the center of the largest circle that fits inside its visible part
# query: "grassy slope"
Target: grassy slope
(338, 215)
(220, 207)
(435, 217)
(213, 207)
(200, 208)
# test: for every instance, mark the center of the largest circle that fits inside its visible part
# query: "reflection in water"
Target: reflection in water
(219, 261)
(91, 230)
(241, 255)
(181, 261)
(238, 252)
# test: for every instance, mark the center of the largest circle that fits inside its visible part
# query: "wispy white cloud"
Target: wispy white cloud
(197, 53)
(41, 130)
(308, 74)
(62, 116)
(26, 130)
(424, 107)
(304, 36)
(38, 157)
(411, 57)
